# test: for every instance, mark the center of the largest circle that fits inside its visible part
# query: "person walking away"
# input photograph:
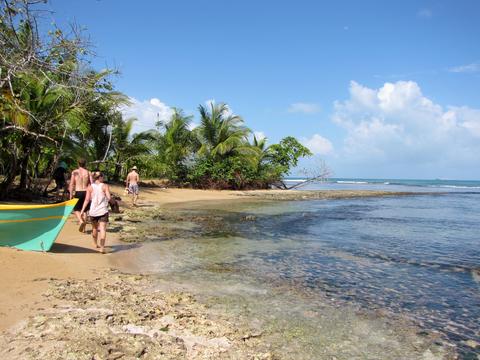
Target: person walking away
(132, 184)
(79, 182)
(98, 194)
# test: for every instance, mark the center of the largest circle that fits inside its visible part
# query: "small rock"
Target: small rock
(116, 355)
(251, 335)
(472, 343)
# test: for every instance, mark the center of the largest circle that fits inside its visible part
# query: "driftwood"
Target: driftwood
(320, 172)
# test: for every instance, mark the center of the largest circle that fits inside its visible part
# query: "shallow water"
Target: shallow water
(414, 257)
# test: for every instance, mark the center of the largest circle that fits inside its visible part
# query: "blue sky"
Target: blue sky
(376, 88)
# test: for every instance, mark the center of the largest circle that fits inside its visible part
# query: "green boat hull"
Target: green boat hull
(33, 227)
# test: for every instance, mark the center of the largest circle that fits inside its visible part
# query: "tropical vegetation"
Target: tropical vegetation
(55, 108)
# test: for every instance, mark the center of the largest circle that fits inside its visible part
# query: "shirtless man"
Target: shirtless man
(79, 182)
(131, 184)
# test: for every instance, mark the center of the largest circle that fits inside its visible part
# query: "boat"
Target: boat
(33, 227)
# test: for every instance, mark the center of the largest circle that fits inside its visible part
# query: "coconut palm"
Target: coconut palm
(127, 148)
(176, 143)
(261, 151)
(101, 115)
(221, 133)
(40, 114)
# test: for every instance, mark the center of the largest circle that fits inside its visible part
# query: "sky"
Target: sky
(377, 89)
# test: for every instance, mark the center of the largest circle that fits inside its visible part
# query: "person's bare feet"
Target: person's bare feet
(102, 250)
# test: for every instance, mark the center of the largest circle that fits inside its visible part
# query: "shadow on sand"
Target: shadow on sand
(121, 247)
(59, 248)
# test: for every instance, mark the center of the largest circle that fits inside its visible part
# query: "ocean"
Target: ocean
(412, 259)
(436, 185)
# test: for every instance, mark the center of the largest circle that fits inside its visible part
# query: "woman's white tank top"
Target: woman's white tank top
(99, 202)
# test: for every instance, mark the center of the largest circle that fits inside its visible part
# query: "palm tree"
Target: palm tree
(221, 133)
(261, 151)
(40, 112)
(176, 143)
(126, 147)
(101, 115)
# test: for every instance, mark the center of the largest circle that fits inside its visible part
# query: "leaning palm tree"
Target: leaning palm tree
(221, 133)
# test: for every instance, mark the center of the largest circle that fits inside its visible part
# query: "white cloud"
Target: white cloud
(305, 108)
(398, 124)
(259, 135)
(470, 68)
(318, 145)
(193, 125)
(425, 13)
(147, 113)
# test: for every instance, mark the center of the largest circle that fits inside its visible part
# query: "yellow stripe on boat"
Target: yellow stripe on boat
(33, 219)
(40, 206)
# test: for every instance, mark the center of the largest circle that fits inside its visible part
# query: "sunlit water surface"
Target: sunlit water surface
(413, 257)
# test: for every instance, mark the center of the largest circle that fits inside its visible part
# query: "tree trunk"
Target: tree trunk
(50, 170)
(24, 171)
(27, 148)
(7, 183)
(118, 170)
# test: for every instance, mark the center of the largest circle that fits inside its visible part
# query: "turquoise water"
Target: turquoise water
(415, 257)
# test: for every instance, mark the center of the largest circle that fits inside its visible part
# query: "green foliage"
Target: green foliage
(54, 107)
(229, 173)
(260, 168)
(175, 145)
(221, 134)
(129, 149)
(45, 95)
(285, 155)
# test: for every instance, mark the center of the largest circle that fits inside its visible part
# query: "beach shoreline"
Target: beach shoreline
(29, 276)
(72, 257)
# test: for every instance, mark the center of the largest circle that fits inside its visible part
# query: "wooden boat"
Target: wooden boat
(33, 227)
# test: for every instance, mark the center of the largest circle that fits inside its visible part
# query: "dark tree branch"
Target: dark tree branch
(27, 132)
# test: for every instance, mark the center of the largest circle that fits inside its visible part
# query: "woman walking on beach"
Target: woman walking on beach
(98, 195)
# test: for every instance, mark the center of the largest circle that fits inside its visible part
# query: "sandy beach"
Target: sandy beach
(72, 257)
(40, 289)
